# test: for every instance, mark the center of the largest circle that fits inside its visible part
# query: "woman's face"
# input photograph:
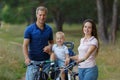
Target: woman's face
(87, 28)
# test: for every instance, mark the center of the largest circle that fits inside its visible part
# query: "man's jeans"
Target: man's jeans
(32, 69)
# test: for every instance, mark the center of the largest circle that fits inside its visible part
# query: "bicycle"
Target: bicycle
(70, 46)
(54, 72)
(40, 74)
(71, 75)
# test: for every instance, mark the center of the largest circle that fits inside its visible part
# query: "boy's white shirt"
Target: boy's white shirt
(60, 52)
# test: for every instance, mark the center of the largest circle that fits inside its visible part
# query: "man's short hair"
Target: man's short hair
(41, 8)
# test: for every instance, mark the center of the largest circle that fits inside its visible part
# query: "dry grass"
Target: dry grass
(108, 61)
(11, 61)
(11, 57)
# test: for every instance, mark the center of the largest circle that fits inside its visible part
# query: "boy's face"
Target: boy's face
(59, 39)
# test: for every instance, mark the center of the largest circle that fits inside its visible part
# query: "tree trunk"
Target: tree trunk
(102, 29)
(114, 22)
(33, 16)
(58, 20)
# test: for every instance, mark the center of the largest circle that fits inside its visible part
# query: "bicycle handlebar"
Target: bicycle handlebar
(72, 64)
(41, 63)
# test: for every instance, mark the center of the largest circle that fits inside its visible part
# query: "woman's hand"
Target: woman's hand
(80, 60)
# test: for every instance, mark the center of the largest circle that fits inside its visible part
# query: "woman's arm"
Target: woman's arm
(89, 52)
(74, 57)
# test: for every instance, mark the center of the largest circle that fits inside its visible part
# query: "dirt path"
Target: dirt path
(22, 78)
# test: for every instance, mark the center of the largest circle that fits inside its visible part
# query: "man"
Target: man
(38, 40)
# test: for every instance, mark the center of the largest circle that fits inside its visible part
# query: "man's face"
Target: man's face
(41, 16)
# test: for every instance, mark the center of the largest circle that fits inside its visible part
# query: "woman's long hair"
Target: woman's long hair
(94, 30)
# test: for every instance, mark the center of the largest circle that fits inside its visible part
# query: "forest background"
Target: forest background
(63, 15)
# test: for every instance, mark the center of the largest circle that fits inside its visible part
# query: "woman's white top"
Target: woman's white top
(83, 48)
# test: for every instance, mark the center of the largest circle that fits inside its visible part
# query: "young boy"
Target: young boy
(60, 52)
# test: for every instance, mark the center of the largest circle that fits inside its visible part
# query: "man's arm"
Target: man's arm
(48, 48)
(25, 51)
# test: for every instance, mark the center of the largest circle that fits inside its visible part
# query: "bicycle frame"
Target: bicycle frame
(71, 75)
(40, 74)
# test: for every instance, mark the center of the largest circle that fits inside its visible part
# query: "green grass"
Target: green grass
(109, 62)
(11, 61)
(12, 32)
(11, 56)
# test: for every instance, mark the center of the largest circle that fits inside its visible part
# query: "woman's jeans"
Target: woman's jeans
(88, 73)
(32, 69)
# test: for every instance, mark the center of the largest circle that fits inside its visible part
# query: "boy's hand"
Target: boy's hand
(67, 61)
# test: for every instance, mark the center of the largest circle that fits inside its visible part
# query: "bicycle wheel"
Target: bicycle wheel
(54, 74)
(41, 76)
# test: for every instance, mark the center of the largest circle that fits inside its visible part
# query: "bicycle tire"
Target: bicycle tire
(54, 74)
(41, 76)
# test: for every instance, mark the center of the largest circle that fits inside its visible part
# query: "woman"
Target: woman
(88, 50)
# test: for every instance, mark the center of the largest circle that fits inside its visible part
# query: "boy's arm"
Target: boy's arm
(67, 60)
(52, 56)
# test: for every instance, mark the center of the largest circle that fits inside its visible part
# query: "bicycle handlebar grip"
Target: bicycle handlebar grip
(48, 61)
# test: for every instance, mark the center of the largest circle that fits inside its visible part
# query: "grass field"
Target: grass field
(11, 56)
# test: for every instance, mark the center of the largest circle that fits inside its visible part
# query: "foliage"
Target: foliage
(20, 11)
(73, 10)
(12, 16)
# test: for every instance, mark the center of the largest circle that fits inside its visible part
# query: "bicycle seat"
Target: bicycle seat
(69, 44)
